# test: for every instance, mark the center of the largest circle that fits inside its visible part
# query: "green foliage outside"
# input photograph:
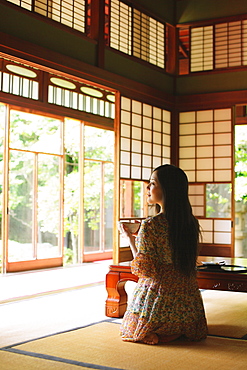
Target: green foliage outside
(219, 195)
(39, 135)
(241, 164)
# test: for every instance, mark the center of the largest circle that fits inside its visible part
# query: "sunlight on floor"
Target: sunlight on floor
(34, 304)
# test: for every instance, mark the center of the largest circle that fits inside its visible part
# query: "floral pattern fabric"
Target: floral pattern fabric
(164, 301)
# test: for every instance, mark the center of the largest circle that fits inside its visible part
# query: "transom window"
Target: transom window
(211, 47)
(24, 81)
(135, 33)
(71, 13)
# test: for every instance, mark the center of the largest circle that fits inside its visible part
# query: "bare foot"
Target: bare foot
(151, 338)
(168, 338)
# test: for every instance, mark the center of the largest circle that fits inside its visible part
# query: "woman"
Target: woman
(166, 302)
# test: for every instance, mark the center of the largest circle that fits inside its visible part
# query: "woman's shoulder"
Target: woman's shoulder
(155, 220)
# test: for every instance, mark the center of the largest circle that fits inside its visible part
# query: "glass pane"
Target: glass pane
(35, 133)
(99, 144)
(21, 173)
(98, 189)
(218, 200)
(241, 189)
(132, 198)
(108, 205)
(241, 163)
(92, 199)
(2, 123)
(71, 191)
(48, 206)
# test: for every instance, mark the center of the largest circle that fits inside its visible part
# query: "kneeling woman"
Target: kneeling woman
(166, 303)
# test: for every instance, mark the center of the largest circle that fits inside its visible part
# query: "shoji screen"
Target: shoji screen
(205, 154)
(144, 139)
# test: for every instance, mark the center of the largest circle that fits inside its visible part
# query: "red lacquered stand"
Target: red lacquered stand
(116, 302)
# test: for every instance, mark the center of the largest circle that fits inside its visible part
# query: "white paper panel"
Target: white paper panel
(206, 225)
(156, 137)
(222, 238)
(136, 133)
(191, 175)
(204, 176)
(197, 200)
(222, 163)
(222, 225)
(204, 139)
(196, 189)
(147, 135)
(157, 125)
(207, 237)
(147, 160)
(136, 107)
(166, 128)
(186, 117)
(125, 103)
(204, 164)
(198, 211)
(222, 126)
(223, 151)
(125, 157)
(187, 164)
(146, 172)
(157, 150)
(223, 175)
(222, 114)
(166, 152)
(204, 128)
(136, 159)
(125, 117)
(166, 116)
(156, 162)
(187, 140)
(125, 143)
(136, 146)
(157, 113)
(222, 139)
(187, 129)
(147, 123)
(187, 152)
(125, 171)
(125, 130)
(135, 172)
(136, 120)
(204, 151)
(147, 110)
(147, 148)
(204, 115)
(166, 140)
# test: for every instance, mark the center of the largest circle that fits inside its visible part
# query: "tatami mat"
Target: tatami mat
(15, 361)
(99, 346)
(226, 313)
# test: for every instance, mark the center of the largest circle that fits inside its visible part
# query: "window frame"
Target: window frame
(185, 42)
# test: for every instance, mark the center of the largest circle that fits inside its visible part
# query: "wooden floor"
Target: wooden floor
(33, 304)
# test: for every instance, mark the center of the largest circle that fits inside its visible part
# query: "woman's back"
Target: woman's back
(165, 301)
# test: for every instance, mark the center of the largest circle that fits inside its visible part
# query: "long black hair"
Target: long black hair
(184, 228)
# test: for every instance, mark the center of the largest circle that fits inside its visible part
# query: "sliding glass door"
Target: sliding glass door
(57, 191)
(35, 187)
(98, 192)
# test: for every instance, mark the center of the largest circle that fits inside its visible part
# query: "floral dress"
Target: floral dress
(164, 302)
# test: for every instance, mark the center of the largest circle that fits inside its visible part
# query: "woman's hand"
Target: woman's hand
(128, 235)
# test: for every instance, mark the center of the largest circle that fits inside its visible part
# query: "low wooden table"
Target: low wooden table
(118, 275)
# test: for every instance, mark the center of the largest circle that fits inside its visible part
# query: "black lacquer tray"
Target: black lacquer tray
(221, 267)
